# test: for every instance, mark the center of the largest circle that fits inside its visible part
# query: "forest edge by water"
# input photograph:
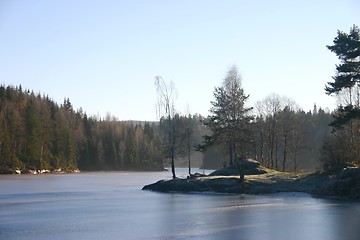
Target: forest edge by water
(37, 135)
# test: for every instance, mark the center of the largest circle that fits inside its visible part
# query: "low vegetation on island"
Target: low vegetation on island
(261, 180)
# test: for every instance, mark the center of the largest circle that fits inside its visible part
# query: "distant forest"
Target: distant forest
(38, 133)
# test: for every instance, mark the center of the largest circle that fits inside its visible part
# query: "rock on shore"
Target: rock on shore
(249, 167)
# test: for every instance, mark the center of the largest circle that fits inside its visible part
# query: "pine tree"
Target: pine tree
(230, 118)
(347, 48)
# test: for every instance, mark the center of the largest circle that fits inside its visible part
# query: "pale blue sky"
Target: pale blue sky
(104, 55)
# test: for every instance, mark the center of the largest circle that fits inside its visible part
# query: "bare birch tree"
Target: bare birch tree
(165, 109)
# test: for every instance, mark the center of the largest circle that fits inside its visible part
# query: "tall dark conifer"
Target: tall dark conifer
(342, 148)
(347, 48)
(230, 117)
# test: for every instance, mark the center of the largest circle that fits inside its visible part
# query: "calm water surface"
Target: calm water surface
(111, 205)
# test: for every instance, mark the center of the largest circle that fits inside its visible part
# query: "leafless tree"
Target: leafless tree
(165, 108)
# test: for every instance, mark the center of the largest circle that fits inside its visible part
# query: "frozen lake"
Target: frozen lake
(111, 205)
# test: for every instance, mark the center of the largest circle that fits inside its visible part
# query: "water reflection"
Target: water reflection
(283, 216)
(112, 206)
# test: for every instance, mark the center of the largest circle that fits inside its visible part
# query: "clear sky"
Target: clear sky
(104, 55)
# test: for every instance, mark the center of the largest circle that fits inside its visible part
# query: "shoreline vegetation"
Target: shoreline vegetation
(261, 180)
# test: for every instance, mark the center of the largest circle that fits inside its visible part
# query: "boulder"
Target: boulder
(249, 166)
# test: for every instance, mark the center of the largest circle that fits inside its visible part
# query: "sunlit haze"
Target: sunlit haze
(104, 55)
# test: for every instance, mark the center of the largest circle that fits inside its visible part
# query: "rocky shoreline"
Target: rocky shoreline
(344, 185)
(37, 171)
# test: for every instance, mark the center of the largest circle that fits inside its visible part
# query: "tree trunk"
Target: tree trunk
(189, 158)
(230, 154)
(241, 169)
(173, 167)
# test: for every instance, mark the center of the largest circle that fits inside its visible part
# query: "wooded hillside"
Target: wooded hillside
(38, 133)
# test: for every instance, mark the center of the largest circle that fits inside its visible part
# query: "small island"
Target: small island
(276, 132)
(261, 180)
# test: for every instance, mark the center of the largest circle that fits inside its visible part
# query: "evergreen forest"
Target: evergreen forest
(38, 133)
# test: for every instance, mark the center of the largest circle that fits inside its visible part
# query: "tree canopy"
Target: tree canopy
(342, 147)
(347, 48)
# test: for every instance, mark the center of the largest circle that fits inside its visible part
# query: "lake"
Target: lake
(111, 205)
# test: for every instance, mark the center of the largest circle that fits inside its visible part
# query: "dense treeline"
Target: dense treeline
(37, 133)
(286, 138)
(281, 136)
(289, 139)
